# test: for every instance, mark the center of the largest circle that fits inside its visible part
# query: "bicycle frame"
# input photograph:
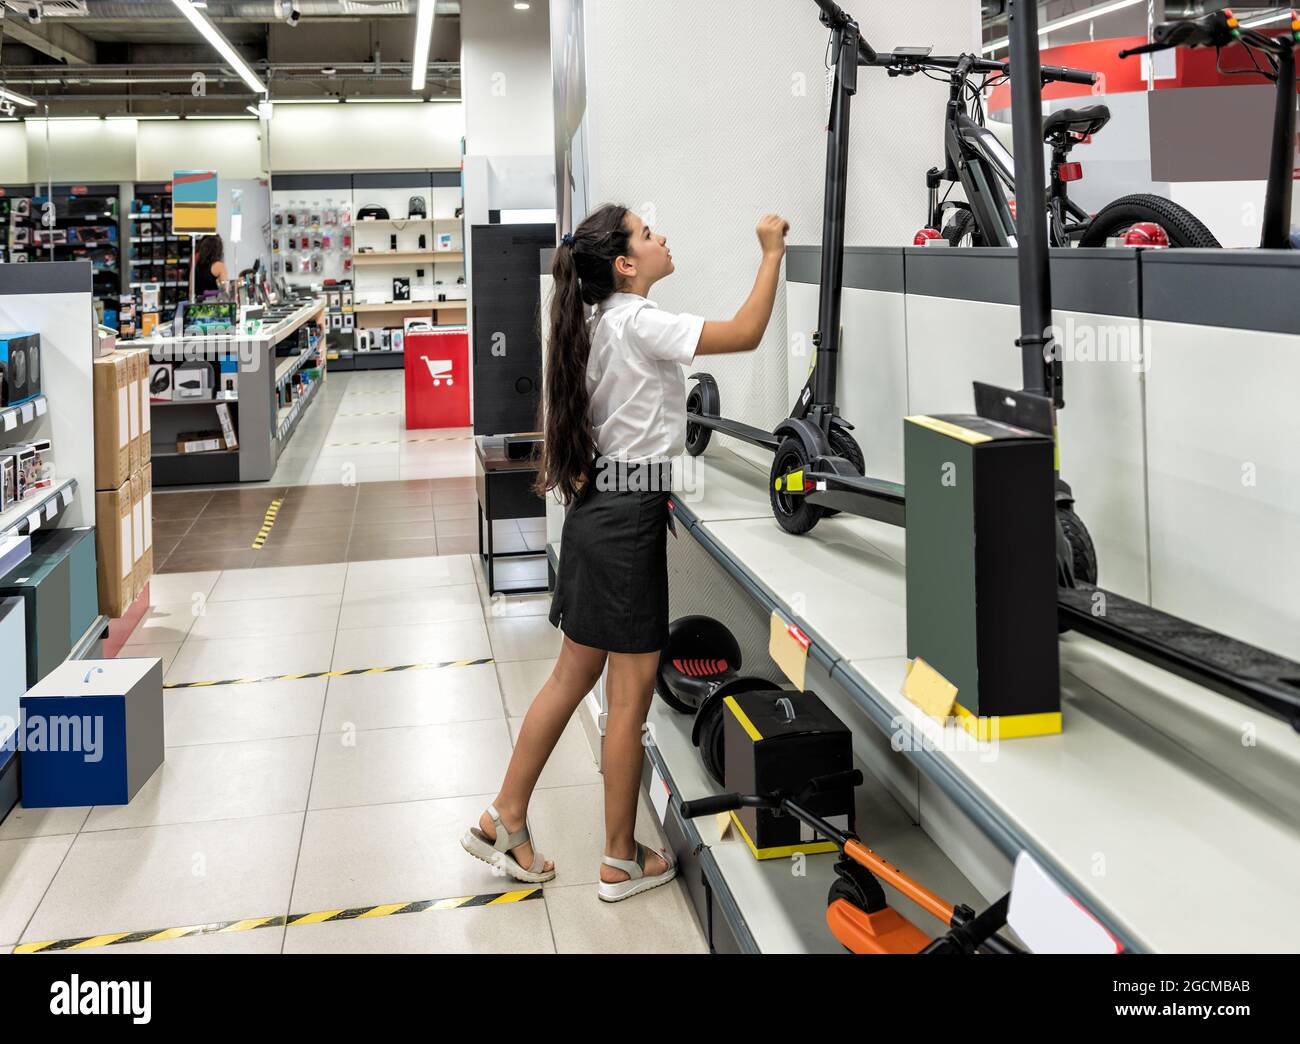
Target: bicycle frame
(976, 159)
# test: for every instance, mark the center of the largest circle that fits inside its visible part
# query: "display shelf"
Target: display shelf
(396, 306)
(13, 417)
(1126, 733)
(38, 511)
(400, 222)
(401, 257)
(290, 365)
(172, 403)
(286, 425)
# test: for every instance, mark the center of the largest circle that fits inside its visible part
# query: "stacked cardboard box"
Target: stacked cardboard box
(123, 478)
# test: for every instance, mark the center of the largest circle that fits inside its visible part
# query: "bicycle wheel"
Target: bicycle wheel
(962, 230)
(1182, 226)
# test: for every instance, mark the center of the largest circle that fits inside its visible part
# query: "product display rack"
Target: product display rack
(155, 254)
(82, 225)
(366, 256)
(265, 411)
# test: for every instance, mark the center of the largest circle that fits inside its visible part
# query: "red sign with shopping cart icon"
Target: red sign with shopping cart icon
(437, 378)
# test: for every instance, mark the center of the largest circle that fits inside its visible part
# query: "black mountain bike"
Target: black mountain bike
(1220, 29)
(977, 160)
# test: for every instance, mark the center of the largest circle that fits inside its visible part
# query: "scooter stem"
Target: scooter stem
(891, 875)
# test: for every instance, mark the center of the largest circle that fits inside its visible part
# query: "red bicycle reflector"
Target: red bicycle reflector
(926, 234)
(1070, 171)
(1146, 234)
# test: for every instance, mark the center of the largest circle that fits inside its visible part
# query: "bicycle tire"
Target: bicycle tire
(1185, 229)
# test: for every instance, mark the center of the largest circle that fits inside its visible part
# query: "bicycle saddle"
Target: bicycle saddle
(1080, 122)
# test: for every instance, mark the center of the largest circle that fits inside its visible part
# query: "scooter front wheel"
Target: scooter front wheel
(845, 445)
(792, 510)
(697, 435)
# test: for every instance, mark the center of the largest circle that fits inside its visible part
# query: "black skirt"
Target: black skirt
(612, 589)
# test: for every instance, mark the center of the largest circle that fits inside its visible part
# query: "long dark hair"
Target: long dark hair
(210, 251)
(583, 271)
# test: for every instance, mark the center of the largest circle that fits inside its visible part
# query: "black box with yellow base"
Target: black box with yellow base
(778, 741)
(981, 570)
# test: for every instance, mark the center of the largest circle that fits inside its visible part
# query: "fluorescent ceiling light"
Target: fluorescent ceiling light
(521, 5)
(1267, 20)
(384, 101)
(305, 101)
(142, 118)
(1069, 20)
(253, 110)
(206, 116)
(14, 96)
(222, 45)
(423, 40)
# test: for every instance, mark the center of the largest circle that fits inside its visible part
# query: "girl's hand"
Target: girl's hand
(771, 234)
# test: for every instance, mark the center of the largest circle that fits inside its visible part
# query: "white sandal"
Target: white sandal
(496, 852)
(637, 882)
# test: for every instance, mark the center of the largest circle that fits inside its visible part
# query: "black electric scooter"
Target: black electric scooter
(976, 160)
(1220, 29)
(1230, 667)
(814, 418)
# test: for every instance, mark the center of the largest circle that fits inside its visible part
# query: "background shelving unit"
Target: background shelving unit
(84, 225)
(365, 255)
(154, 254)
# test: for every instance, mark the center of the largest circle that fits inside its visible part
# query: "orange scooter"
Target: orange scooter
(857, 912)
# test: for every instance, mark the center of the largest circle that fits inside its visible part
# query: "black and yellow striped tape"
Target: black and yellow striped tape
(330, 674)
(267, 523)
(248, 924)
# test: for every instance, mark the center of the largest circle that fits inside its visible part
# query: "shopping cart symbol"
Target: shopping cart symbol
(439, 370)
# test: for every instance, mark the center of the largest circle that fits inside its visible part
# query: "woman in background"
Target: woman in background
(210, 275)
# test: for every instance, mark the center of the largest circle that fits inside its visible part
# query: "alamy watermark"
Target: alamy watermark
(55, 733)
(1080, 342)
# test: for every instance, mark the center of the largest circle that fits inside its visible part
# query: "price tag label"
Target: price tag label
(33, 522)
(66, 494)
(29, 412)
(11, 420)
(659, 794)
(40, 406)
(788, 647)
(51, 509)
(929, 690)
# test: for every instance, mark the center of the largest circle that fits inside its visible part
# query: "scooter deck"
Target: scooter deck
(737, 430)
(1228, 666)
(858, 495)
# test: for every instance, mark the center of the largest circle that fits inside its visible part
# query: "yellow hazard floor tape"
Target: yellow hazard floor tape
(267, 523)
(88, 942)
(331, 674)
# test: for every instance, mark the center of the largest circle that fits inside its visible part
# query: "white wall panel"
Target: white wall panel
(230, 147)
(704, 117)
(359, 136)
(953, 343)
(13, 153)
(1223, 431)
(81, 150)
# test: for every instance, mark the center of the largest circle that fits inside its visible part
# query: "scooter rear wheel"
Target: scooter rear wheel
(791, 510)
(845, 445)
(697, 435)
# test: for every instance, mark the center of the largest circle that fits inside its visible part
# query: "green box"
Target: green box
(981, 568)
(78, 546)
(44, 586)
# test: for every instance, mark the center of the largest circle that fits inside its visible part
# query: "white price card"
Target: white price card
(40, 406)
(1048, 919)
(659, 794)
(51, 509)
(29, 412)
(11, 420)
(33, 522)
(67, 496)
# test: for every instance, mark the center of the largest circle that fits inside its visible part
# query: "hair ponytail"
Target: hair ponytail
(583, 273)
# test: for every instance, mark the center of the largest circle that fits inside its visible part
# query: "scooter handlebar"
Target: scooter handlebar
(710, 806)
(835, 17)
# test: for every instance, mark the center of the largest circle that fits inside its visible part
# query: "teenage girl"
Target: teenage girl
(615, 417)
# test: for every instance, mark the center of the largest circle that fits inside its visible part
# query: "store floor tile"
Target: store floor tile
(364, 577)
(411, 643)
(659, 921)
(213, 781)
(27, 866)
(286, 582)
(158, 877)
(393, 699)
(378, 854)
(365, 548)
(261, 940)
(377, 766)
(524, 638)
(414, 606)
(218, 659)
(235, 713)
(568, 824)
(510, 928)
(42, 822)
(167, 624)
(257, 616)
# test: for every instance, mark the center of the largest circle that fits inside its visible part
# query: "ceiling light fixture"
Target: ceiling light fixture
(1069, 20)
(222, 45)
(522, 5)
(423, 40)
(20, 99)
